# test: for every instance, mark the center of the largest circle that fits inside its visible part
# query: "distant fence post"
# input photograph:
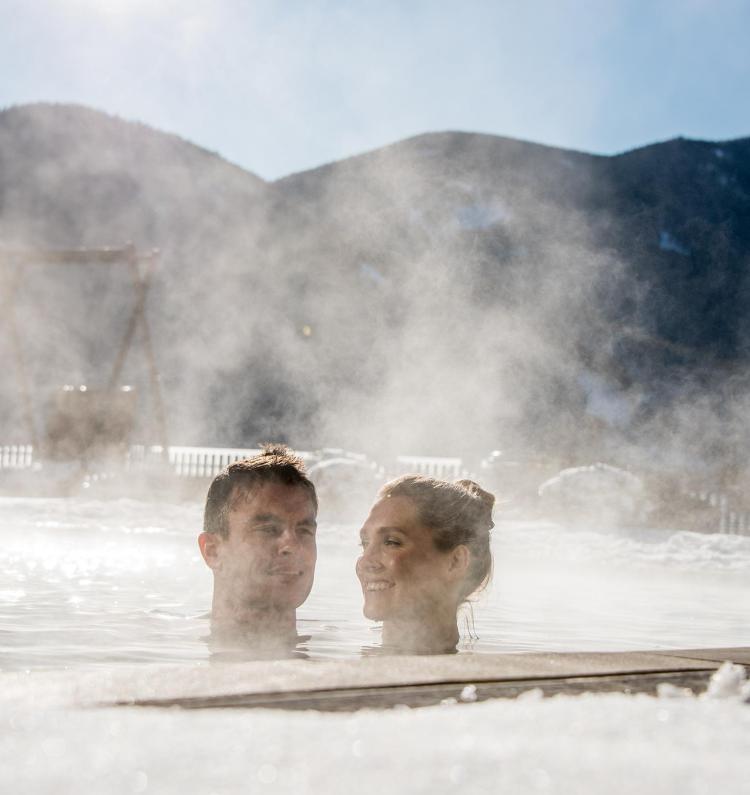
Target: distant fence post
(16, 456)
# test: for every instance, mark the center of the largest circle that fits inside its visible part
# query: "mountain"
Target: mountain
(604, 291)
(72, 176)
(450, 292)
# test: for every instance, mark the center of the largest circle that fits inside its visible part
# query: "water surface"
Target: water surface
(89, 583)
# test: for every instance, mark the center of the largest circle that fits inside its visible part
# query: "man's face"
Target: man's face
(267, 561)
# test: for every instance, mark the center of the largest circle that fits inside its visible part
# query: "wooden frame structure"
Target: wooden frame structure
(141, 265)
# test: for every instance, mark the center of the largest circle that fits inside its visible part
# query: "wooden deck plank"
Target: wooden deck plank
(295, 676)
(369, 681)
(420, 681)
(740, 656)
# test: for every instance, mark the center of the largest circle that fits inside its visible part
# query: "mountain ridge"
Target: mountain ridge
(25, 109)
(480, 264)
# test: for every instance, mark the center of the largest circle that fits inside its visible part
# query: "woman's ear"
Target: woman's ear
(459, 560)
(209, 546)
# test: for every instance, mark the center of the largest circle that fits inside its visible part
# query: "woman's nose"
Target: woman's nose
(370, 559)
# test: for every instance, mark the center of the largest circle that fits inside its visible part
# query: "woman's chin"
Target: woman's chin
(374, 611)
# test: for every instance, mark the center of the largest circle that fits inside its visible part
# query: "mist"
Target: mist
(450, 294)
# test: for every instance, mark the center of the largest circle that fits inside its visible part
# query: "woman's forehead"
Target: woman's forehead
(393, 512)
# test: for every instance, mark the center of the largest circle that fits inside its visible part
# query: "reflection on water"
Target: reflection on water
(95, 583)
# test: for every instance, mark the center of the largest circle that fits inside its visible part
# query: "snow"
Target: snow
(589, 744)
(599, 489)
(468, 694)
(730, 681)
(667, 242)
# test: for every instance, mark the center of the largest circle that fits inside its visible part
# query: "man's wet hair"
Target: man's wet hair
(276, 463)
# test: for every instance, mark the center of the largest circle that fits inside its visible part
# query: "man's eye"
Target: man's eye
(363, 543)
(392, 542)
(307, 531)
(267, 529)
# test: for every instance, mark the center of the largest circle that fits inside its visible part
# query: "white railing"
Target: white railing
(730, 518)
(16, 456)
(728, 512)
(205, 462)
(432, 466)
(192, 462)
(187, 462)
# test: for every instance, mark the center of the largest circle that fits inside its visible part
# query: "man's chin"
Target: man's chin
(289, 594)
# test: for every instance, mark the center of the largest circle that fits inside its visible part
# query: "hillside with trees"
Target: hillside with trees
(450, 292)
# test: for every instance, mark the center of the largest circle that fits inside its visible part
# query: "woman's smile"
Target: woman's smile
(400, 569)
(377, 585)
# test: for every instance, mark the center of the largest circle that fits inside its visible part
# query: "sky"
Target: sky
(279, 87)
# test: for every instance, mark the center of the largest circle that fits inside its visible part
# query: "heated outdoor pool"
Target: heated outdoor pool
(108, 582)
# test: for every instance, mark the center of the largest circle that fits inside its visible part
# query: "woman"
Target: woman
(425, 550)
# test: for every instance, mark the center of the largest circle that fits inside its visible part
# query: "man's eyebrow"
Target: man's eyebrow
(272, 517)
(262, 517)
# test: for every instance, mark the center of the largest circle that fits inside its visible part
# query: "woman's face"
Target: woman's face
(403, 575)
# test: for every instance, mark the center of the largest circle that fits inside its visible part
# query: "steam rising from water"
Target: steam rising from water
(450, 294)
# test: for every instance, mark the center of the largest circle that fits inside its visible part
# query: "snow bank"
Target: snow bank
(585, 745)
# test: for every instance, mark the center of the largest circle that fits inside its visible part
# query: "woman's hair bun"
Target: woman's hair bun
(475, 489)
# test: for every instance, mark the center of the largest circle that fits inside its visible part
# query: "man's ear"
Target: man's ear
(458, 563)
(209, 545)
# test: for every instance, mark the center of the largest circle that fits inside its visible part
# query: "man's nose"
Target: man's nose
(288, 541)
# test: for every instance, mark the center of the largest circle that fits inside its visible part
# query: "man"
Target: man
(259, 540)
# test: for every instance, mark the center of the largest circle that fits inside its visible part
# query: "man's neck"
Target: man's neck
(230, 616)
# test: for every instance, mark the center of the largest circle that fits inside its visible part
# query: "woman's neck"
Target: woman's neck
(435, 634)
